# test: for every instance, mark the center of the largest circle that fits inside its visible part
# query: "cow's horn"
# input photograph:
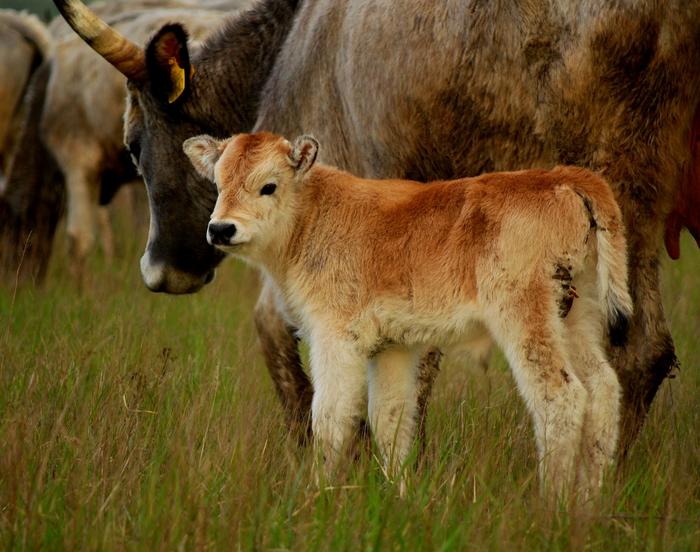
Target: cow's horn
(126, 56)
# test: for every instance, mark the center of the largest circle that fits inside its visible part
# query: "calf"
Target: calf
(375, 272)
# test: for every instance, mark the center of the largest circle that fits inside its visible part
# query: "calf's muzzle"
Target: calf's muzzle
(220, 233)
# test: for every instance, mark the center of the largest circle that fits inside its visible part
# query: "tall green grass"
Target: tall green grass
(130, 420)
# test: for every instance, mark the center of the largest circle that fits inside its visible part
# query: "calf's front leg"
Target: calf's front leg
(280, 348)
(339, 374)
(393, 405)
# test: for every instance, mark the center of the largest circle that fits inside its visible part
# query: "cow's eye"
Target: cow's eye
(134, 149)
(268, 189)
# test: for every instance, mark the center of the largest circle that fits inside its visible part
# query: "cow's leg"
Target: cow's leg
(82, 188)
(106, 236)
(339, 373)
(584, 345)
(280, 347)
(428, 369)
(34, 197)
(527, 328)
(392, 405)
(649, 355)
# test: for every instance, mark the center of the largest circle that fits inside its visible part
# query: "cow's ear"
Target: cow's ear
(303, 153)
(168, 63)
(204, 151)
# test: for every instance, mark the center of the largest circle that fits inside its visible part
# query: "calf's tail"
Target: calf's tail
(613, 293)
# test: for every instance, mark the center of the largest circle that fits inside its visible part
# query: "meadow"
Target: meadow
(136, 421)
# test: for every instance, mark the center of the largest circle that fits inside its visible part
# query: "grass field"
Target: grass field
(130, 420)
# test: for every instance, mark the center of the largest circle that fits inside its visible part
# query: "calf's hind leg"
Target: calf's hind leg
(529, 331)
(584, 337)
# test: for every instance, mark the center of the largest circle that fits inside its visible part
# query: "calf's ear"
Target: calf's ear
(168, 63)
(204, 151)
(303, 153)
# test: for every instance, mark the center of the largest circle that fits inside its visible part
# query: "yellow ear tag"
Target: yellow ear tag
(177, 79)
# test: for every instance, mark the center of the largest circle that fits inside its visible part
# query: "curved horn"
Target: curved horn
(126, 56)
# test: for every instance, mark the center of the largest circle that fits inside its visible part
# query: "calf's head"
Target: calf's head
(258, 177)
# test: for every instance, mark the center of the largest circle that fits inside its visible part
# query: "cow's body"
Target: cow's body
(436, 90)
(24, 44)
(439, 91)
(376, 272)
(34, 205)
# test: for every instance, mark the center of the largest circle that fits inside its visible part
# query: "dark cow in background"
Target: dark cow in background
(82, 120)
(73, 133)
(426, 90)
(24, 43)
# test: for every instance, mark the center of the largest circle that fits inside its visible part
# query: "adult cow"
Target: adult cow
(74, 127)
(24, 44)
(424, 90)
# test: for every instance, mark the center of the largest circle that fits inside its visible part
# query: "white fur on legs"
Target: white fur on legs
(602, 417)
(339, 375)
(393, 404)
(555, 397)
(601, 424)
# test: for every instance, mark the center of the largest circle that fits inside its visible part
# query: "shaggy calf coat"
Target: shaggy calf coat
(376, 272)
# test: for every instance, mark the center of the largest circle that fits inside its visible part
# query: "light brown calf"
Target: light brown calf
(375, 272)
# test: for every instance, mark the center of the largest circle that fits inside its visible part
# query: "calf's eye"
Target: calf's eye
(268, 189)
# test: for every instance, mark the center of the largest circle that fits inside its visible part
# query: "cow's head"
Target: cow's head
(258, 177)
(158, 118)
(167, 102)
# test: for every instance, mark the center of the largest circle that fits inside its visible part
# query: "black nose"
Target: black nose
(221, 232)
